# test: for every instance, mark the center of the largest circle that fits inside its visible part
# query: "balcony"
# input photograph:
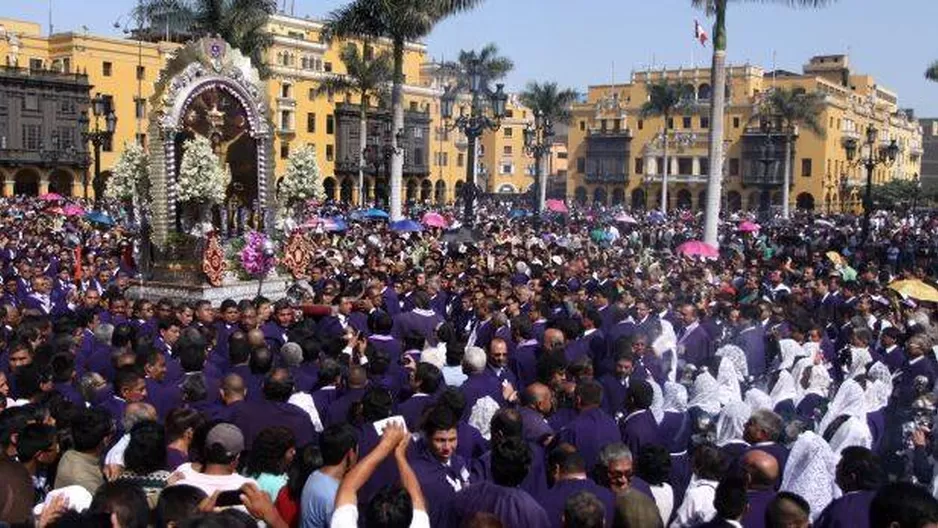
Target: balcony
(44, 158)
(609, 132)
(763, 180)
(676, 178)
(43, 76)
(607, 178)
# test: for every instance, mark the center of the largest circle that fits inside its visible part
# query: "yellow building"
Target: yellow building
(125, 71)
(617, 155)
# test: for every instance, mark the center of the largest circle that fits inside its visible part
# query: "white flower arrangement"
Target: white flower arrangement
(130, 177)
(302, 181)
(202, 179)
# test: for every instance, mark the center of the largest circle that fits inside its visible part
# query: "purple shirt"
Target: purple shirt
(513, 507)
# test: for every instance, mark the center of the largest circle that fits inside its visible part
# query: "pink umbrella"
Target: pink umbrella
(55, 210)
(749, 227)
(626, 219)
(557, 206)
(51, 197)
(696, 248)
(434, 220)
(74, 210)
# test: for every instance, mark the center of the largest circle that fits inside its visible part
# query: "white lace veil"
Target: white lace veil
(728, 380)
(675, 397)
(790, 351)
(810, 472)
(784, 388)
(757, 399)
(657, 402)
(706, 393)
(849, 401)
(732, 422)
(738, 357)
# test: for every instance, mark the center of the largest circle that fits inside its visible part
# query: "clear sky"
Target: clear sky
(577, 42)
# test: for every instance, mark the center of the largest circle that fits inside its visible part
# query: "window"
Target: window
(108, 145)
(141, 139)
(140, 107)
(311, 122)
(670, 123)
(286, 90)
(704, 122)
(506, 150)
(107, 68)
(413, 106)
(31, 102)
(32, 137)
(285, 118)
(327, 66)
(581, 165)
(330, 124)
(806, 167)
(35, 64)
(459, 159)
(686, 122)
(602, 125)
(704, 165)
(418, 133)
(641, 124)
(330, 152)
(284, 150)
(734, 166)
(616, 125)
(684, 166)
(312, 94)
(509, 114)
(443, 159)
(508, 132)
(296, 34)
(64, 138)
(507, 168)
(418, 156)
(561, 155)
(735, 122)
(141, 73)
(582, 125)
(639, 165)
(831, 123)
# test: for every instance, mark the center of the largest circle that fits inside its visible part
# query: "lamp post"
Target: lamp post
(379, 153)
(917, 179)
(98, 136)
(473, 125)
(538, 140)
(767, 154)
(844, 189)
(884, 155)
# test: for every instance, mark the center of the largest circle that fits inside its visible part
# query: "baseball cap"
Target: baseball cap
(228, 436)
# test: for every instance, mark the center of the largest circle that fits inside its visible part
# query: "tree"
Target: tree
(932, 72)
(664, 99)
(790, 108)
(718, 102)
(365, 78)
(553, 104)
(302, 181)
(400, 21)
(241, 23)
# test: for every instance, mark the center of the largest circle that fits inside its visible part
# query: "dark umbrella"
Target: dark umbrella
(463, 235)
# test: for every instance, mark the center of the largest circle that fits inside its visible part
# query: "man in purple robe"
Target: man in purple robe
(615, 385)
(497, 367)
(859, 475)
(523, 359)
(639, 428)
(762, 431)
(761, 476)
(381, 326)
(751, 339)
(502, 497)
(426, 381)
(694, 345)
(355, 386)
(275, 330)
(536, 404)
(330, 381)
(571, 479)
(441, 471)
(592, 429)
(506, 423)
(254, 416)
(483, 328)
(334, 326)
(421, 321)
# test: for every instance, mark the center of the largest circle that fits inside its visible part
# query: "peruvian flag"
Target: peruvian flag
(700, 34)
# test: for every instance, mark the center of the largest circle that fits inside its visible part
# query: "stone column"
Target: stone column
(78, 190)
(651, 165)
(695, 166)
(8, 186)
(672, 161)
(44, 183)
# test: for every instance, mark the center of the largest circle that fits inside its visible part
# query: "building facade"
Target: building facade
(930, 156)
(125, 71)
(617, 155)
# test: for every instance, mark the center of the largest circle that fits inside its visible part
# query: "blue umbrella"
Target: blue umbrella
(374, 213)
(517, 213)
(334, 224)
(406, 226)
(100, 217)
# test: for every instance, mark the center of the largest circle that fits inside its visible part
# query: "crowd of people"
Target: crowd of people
(575, 370)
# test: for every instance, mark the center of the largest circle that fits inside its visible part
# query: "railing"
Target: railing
(607, 178)
(763, 179)
(609, 132)
(676, 178)
(43, 75)
(45, 157)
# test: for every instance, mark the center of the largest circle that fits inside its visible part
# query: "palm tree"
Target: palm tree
(791, 108)
(664, 99)
(553, 105)
(718, 102)
(400, 21)
(932, 72)
(241, 23)
(365, 78)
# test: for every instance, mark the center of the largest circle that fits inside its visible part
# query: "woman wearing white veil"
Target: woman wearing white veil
(812, 385)
(731, 425)
(757, 399)
(810, 472)
(675, 427)
(706, 394)
(876, 396)
(845, 425)
(657, 401)
(738, 357)
(790, 351)
(728, 379)
(783, 394)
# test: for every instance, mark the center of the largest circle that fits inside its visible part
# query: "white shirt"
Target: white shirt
(664, 499)
(115, 457)
(346, 516)
(697, 507)
(212, 483)
(305, 401)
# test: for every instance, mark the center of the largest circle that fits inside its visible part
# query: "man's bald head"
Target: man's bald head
(534, 394)
(357, 377)
(553, 339)
(256, 338)
(137, 412)
(761, 468)
(788, 510)
(232, 388)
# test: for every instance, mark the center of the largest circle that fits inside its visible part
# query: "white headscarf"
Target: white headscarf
(810, 472)
(854, 432)
(657, 403)
(848, 401)
(706, 394)
(732, 422)
(675, 397)
(879, 387)
(738, 357)
(757, 399)
(784, 388)
(790, 351)
(859, 359)
(819, 381)
(728, 380)
(812, 349)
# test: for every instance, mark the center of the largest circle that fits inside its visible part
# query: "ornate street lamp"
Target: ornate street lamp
(473, 125)
(767, 152)
(98, 137)
(538, 140)
(884, 155)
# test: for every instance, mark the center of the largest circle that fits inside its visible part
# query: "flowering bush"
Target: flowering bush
(252, 258)
(201, 179)
(130, 178)
(302, 181)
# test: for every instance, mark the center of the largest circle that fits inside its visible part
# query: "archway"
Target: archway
(440, 194)
(753, 203)
(580, 195)
(60, 182)
(26, 182)
(702, 199)
(345, 194)
(411, 190)
(618, 196)
(703, 92)
(734, 201)
(242, 160)
(599, 195)
(638, 199)
(426, 189)
(329, 186)
(506, 188)
(805, 201)
(684, 200)
(457, 188)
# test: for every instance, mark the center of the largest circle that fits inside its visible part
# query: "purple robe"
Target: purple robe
(555, 498)
(390, 302)
(331, 327)
(412, 409)
(752, 341)
(275, 335)
(639, 429)
(387, 344)
(614, 390)
(385, 474)
(439, 482)
(680, 475)
(254, 417)
(809, 405)
(323, 399)
(533, 425)
(894, 359)
(675, 431)
(513, 507)
(779, 451)
(175, 458)
(850, 511)
(359, 321)
(561, 417)
(696, 345)
(590, 431)
(470, 442)
(417, 322)
(534, 483)
(70, 393)
(758, 503)
(523, 362)
(478, 386)
(338, 409)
